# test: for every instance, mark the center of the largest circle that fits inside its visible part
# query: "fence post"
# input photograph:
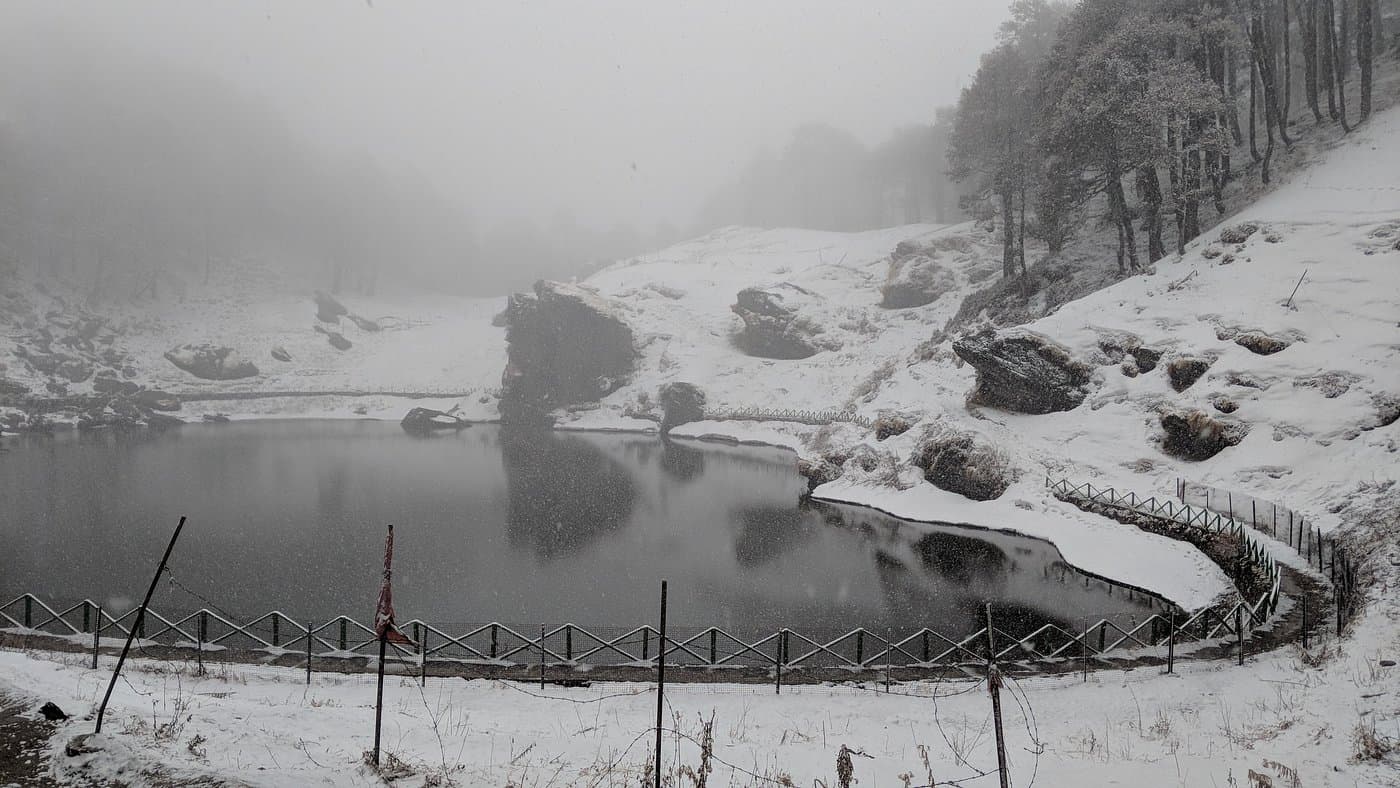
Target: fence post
(96, 637)
(889, 666)
(1084, 647)
(423, 659)
(778, 666)
(541, 656)
(201, 631)
(276, 633)
(569, 642)
(1253, 513)
(925, 639)
(1171, 641)
(28, 611)
(343, 641)
(86, 615)
(1305, 620)
(494, 627)
(713, 651)
(1239, 631)
(308, 653)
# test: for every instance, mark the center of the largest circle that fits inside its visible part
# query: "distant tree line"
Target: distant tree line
(1146, 106)
(826, 179)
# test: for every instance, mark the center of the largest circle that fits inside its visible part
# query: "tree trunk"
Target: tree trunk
(1021, 239)
(1149, 193)
(1287, 63)
(1365, 40)
(1174, 181)
(1253, 109)
(1231, 91)
(1377, 28)
(1118, 205)
(1008, 232)
(1326, 22)
(1307, 24)
(1263, 57)
(1337, 69)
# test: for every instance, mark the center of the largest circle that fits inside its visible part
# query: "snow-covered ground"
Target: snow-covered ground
(1211, 724)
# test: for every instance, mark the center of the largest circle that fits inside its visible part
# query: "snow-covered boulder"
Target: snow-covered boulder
(1185, 370)
(964, 463)
(566, 344)
(211, 362)
(1196, 435)
(420, 421)
(1024, 371)
(782, 321)
(915, 278)
(337, 339)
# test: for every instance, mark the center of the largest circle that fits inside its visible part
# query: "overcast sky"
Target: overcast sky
(607, 111)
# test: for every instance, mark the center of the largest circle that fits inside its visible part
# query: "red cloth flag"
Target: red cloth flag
(384, 626)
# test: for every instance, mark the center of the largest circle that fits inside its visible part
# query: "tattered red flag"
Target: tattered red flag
(384, 626)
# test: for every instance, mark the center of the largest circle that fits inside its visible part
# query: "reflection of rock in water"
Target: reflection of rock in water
(563, 492)
(962, 559)
(766, 532)
(1019, 621)
(681, 463)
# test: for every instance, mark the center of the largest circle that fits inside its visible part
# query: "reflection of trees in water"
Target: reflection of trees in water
(681, 463)
(961, 559)
(563, 492)
(766, 532)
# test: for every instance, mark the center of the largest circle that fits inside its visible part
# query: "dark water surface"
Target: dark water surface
(492, 525)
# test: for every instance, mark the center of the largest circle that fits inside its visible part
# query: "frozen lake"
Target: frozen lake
(491, 525)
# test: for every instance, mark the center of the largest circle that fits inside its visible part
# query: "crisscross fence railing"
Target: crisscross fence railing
(1173, 511)
(813, 417)
(1321, 551)
(211, 633)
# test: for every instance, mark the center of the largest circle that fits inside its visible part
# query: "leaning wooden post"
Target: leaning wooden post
(660, 682)
(140, 618)
(308, 653)
(994, 687)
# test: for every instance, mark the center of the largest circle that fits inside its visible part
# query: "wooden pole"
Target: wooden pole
(994, 686)
(379, 695)
(1239, 631)
(423, 659)
(136, 625)
(661, 683)
(308, 653)
(96, 637)
(541, 656)
(1171, 641)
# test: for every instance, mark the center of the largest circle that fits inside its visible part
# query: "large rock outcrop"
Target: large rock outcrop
(1196, 435)
(566, 344)
(778, 322)
(964, 463)
(1023, 371)
(211, 362)
(681, 403)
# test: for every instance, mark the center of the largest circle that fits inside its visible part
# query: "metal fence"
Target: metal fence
(1173, 511)
(495, 644)
(1320, 551)
(813, 417)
